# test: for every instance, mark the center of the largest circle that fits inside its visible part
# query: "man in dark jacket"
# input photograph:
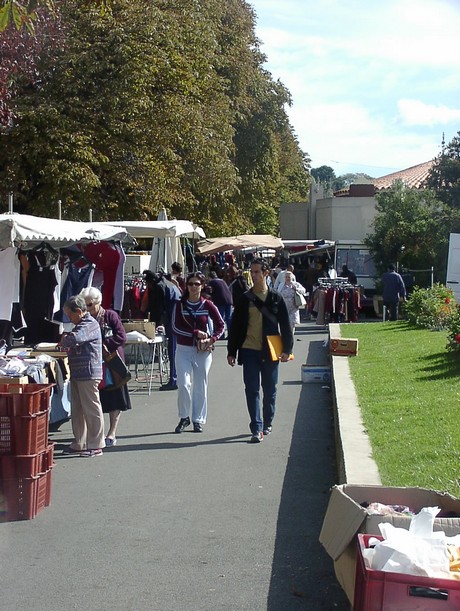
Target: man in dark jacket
(222, 298)
(393, 290)
(259, 312)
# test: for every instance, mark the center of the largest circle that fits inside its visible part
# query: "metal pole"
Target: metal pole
(59, 209)
(432, 276)
(10, 202)
(90, 215)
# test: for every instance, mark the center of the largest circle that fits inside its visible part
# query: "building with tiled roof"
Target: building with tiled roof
(413, 177)
(349, 213)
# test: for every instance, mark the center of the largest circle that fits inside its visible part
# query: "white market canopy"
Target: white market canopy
(239, 242)
(161, 229)
(26, 231)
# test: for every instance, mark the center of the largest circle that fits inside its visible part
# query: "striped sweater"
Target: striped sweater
(190, 317)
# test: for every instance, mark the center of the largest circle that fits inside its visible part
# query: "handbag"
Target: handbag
(118, 370)
(204, 345)
(299, 300)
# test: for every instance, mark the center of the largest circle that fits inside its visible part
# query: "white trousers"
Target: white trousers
(192, 369)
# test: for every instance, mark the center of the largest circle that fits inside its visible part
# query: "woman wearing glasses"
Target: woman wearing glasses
(197, 325)
(113, 338)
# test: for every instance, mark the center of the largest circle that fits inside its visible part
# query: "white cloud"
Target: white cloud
(373, 83)
(415, 112)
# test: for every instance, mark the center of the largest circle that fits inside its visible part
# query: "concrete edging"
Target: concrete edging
(354, 453)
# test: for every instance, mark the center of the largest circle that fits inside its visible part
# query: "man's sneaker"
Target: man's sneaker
(257, 437)
(183, 424)
(197, 427)
(267, 430)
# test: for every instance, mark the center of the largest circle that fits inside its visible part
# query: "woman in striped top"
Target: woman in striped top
(197, 325)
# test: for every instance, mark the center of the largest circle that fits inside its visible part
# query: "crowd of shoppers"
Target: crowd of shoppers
(194, 312)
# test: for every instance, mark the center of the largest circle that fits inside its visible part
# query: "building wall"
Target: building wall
(344, 218)
(294, 221)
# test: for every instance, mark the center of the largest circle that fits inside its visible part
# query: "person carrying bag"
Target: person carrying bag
(113, 389)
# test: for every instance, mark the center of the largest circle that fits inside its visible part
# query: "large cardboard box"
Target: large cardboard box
(342, 346)
(346, 516)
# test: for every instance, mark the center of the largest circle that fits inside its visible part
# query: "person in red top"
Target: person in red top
(197, 325)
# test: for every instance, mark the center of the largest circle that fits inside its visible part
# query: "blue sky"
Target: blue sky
(374, 83)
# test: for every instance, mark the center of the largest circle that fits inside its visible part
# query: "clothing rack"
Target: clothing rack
(335, 283)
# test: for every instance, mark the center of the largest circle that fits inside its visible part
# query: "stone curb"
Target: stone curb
(355, 463)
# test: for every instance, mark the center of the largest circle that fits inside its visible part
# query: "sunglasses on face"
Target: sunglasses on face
(194, 283)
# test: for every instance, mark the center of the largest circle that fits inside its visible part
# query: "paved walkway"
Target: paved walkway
(190, 522)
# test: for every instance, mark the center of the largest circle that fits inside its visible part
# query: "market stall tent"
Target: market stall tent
(25, 231)
(166, 235)
(239, 242)
(160, 229)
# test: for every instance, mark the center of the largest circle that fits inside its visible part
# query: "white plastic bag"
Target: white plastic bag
(417, 551)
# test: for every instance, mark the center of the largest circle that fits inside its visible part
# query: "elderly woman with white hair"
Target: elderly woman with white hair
(113, 338)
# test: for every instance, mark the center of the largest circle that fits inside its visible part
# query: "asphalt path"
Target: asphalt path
(196, 522)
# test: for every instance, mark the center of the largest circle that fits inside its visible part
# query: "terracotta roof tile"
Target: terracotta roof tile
(413, 177)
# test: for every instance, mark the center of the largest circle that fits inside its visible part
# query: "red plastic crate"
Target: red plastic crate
(21, 435)
(23, 498)
(26, 466)
(24, 399)
(385, 591)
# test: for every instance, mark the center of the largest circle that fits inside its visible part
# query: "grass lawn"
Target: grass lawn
(408, 390)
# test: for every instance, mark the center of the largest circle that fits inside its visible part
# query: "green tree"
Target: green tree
(444, 176)
(411, 228)
(133, 113)
(324, 175)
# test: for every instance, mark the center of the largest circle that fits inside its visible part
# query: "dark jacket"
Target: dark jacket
(221, 295)
(238, 330)
(393, 287)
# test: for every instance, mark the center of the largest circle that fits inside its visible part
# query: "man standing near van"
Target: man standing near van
(393, 290)
(258, 313)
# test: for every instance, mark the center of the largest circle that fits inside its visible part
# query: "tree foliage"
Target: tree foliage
(444, 176)
(411, 228)
(153, 105)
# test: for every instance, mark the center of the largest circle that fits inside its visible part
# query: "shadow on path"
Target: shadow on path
(302, 573)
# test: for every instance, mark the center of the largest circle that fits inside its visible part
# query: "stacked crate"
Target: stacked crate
(26, 457)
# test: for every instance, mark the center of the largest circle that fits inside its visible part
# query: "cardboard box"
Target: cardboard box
(145, 327)
(12, 380)
(346, 517)
(342, 346)
(312, 374)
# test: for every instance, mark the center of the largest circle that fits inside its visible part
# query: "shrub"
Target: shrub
(453, 336)
(432, 308)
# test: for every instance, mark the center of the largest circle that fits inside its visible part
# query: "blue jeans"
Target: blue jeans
(255, 370)
(226, 312)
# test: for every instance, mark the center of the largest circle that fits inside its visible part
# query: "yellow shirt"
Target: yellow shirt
(254, 338)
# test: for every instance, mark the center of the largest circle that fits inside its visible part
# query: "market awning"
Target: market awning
(161, 229)
(239, 242)
(308, 247)
(26, 231)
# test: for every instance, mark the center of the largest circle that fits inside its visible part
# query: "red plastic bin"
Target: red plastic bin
(23, 498)
(26, 466)
(385, 591)
(21, 435)
(24, 399)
